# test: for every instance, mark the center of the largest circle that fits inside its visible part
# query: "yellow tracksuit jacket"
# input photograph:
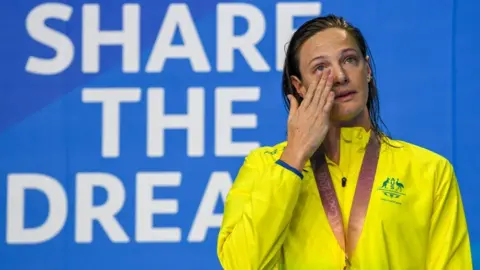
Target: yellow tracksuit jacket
(274, 218)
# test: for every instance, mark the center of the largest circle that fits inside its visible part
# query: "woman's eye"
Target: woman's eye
(320, 67)
(350, 60)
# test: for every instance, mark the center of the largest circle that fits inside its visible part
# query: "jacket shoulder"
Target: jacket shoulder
(265, 154)
(419, 155)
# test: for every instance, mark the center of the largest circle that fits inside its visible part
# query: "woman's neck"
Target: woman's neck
(331, 143)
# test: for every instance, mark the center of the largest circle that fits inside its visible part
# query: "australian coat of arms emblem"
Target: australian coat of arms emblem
(392, 188)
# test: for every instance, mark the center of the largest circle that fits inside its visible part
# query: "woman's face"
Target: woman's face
(336, 50)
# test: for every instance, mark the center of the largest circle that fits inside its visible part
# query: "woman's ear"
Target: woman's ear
(369, 70)
(298, 85)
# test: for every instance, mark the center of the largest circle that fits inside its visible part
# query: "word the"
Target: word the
(193, 121)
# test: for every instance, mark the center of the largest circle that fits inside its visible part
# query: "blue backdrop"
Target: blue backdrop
(89, 178)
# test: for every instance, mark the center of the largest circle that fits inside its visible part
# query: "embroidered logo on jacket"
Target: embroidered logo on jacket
(271, 152)
(392, 190)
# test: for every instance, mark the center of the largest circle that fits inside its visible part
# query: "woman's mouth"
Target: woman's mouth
(345, 95)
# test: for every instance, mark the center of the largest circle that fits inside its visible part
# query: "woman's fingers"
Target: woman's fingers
(328, 103)
(293, 106)
(308, 99)
(326, 91)
(320, 89)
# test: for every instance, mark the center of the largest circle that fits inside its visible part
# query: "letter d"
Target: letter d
(17, 184)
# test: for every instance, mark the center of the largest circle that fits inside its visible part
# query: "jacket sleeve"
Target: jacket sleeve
(449, 245)
(257, 212)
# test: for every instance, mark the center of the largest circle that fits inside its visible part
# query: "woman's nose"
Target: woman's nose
(339, 75)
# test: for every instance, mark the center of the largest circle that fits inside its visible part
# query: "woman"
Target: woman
(339, 193)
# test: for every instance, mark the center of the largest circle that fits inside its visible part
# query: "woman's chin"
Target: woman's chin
(346, 114)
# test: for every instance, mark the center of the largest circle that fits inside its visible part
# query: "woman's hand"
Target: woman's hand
(308, 122)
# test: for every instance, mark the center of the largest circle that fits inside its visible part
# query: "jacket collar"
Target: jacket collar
(350, 137)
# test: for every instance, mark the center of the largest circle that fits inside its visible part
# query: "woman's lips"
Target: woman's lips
(345, 95)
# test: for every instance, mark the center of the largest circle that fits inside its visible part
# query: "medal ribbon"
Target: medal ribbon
(360, 200)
